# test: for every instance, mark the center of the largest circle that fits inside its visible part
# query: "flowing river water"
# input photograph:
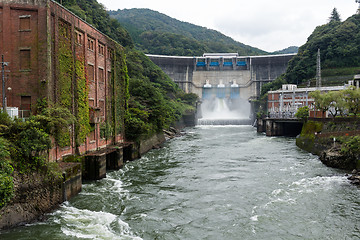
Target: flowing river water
(215, 182)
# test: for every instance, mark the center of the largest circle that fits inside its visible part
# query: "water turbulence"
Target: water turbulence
(222, 105)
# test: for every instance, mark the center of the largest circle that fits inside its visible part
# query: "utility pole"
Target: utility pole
(3, 64)
(318, 69)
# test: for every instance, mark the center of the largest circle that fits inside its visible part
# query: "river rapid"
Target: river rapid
(215, 182)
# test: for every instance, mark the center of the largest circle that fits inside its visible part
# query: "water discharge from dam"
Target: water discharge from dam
(215, 182)
(223, 111)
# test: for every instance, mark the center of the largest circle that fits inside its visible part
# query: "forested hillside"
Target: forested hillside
(155, 101)
(292, 49)
(156, 33)
(339, 43)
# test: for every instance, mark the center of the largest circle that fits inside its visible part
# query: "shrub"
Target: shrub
(302, 113)
(6, 180)
(351, 146)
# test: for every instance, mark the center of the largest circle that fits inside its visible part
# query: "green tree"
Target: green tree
(302, 113)
(352, 100)
(338, 104)
(335, 16)
(322, 100)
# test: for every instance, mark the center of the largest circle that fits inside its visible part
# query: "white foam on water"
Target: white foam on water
(117, 186)
(217, 111)
(86, 224)
(308, 185)
(254, 218)
(281, 200)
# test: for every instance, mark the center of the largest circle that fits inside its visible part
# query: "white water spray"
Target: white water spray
(222, 111)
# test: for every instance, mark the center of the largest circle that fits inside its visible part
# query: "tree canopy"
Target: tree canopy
(335, 16)
(339, 43)
(344, 102)
(170, 36)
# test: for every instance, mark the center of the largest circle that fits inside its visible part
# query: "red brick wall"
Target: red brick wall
(40, 79)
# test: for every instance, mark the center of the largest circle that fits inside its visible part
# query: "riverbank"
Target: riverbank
(335, 141)
(35, 194)
(216, 182)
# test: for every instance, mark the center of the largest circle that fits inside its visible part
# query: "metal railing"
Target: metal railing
(24, 114)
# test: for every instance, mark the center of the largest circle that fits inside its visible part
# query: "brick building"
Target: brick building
(54, 55)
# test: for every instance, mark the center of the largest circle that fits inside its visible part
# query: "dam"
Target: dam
(226, 83)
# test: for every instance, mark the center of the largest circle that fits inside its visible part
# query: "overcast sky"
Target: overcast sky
(268, 25)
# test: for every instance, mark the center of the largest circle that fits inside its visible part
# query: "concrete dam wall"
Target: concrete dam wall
(192, 73)
(225, 82)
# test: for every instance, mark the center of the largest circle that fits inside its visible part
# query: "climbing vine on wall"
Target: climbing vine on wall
(82, 92)
(120, 81)
(65, 76)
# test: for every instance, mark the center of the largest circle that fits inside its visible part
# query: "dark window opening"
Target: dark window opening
(24, 23)
(25, 63)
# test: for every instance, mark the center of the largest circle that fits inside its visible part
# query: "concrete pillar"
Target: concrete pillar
(261, 125)
(72, 184)
(274, 128)
(95, 166)
(115, 159)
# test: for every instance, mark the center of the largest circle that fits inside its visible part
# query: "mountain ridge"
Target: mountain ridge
(146, 25)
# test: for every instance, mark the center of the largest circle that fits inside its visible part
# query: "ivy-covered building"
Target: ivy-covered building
(56, 59)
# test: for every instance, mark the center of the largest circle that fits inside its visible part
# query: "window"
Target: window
(102, 107)
(91, 103)
(65, 29)
(24, 23)
(25, 103)
(90, 72)
(101, 75)
(109, 53)
(79, 38)
(101, 49)
(25, 106)
(91, 44)
(92, 134)
(25, 59)
(109, 77)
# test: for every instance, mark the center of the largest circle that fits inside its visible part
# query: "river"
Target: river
(212, 183)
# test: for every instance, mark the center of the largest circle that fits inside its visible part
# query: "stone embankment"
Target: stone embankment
(37, 193)
(329, 139)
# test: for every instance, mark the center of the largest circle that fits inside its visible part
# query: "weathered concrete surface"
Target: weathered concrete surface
(260, 125)
(282, 127)
(34, 196)
(72, 179)
(95, 166)
(148, 144)
(115, 158)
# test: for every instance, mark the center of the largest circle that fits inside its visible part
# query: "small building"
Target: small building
(285, 102)
(356, 81)
(56, 58)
